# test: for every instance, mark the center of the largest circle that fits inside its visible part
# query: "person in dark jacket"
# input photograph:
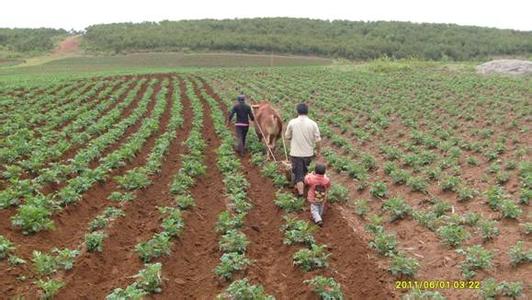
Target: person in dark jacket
(243, 115)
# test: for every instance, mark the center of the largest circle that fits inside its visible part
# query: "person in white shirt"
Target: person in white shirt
(304, 136)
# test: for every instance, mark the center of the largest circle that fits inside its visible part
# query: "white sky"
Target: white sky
(510, 14)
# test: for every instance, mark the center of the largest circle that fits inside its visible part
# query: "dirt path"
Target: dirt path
(352, 263)
(190, 270)
(70, 45)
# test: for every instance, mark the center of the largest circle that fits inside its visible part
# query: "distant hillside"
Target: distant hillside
(346, 39)
(20, 41)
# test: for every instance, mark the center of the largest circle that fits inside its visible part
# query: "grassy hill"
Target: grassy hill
(345, 39)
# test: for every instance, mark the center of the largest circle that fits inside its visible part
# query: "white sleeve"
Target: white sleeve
(317, 136)
(288, 132)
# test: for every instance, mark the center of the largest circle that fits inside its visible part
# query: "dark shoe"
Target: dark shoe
(320, 223)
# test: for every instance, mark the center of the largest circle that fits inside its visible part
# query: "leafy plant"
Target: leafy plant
(452, 234)
(227, 222)
(375, 224)
(185, 201)
(121, 197)
(132, 292)
(233, 241)
(488, 229)
(518, 254)
(337, 193)
(361, 207)
(476, 258)
(288, 202)
(513, 290)
(172, 223)
(32, 218)
(489, 289)
(6, 247)
(65, 258)
(397, 207)
(450, 183)
(384, 243)
(49, 287)
(326, 287)
(44, 264)
(149, 279)
(378, 189)
(509, 209)
(133, 180)
(298, 231)
(94, 241)
(231, 262)
(313, 258)
(417, 294)
(417, 184)
(403, 265)
(157, 246)
(242, 289)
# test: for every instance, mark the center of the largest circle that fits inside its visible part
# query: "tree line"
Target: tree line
(343, 39)
(25, 40)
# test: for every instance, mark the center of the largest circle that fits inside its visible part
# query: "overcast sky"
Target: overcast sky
(509, 14)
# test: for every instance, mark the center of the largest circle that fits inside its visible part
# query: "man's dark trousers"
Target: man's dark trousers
(241, 132)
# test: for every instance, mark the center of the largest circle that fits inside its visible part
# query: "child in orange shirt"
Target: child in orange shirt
(318, 184)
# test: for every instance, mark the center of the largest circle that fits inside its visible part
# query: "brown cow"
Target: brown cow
(270, 124)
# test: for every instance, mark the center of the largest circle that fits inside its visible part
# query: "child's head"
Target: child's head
(320, 169)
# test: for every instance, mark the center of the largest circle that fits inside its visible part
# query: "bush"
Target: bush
(518, 254)
(32, 218)
(397, 207)
(452, 234)
(403, 265)
(185, 201)
(44, 264)
(509, 209)
(157, 246)
(513, 290)
(337, 193)
(94, 241)
(488, 289)
(233, 241)
(384, 243)
(133, 180)
(149, 279)
(227, 222)
(313, 258)
(288, 202)
(230, 263)
(132, 292)
(326, 287)
(488, 229)
(417, 294)
(476, 258)
(378, 189)
(298, 231)
(417, 184)
(399, 176)
(49, 287)
(6, 247)
(242, 289)
(361, 207)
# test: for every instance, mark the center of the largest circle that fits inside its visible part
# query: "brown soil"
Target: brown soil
(70, 45)
(71, 223)
(189, 272)
(141, 221)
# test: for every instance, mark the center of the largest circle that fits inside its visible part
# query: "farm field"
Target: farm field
(127, 185)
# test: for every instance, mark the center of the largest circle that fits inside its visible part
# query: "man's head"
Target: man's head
(241, 98)
(320, 169)
(302, 109)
